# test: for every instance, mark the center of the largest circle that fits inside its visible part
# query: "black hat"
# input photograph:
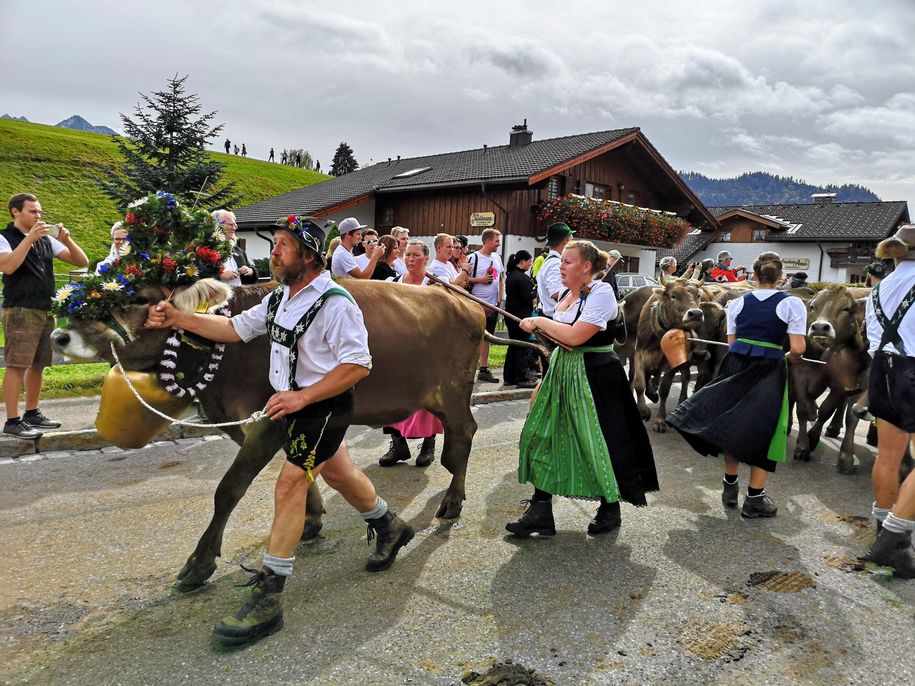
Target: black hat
(877, 269)
(556, 232)
(308, 230)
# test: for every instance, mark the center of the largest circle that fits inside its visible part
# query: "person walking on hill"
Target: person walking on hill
(228, 145)
(271, 158)
(284, 158)
(235, 149)
(28, 247)
(244, 150)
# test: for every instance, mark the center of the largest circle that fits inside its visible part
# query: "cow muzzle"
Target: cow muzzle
(693, 316)
(821, 329)
(72, 345)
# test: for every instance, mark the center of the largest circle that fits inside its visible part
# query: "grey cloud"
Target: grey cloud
(516, 56)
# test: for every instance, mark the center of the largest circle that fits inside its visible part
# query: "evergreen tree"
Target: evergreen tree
(344, 162)
(164, 149)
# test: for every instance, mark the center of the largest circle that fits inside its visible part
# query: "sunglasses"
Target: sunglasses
(370, 242)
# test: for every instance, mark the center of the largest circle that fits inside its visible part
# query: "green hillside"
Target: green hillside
(59, 165)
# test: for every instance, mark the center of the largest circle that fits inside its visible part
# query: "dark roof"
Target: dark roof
(834, 221)
(692, 243)
(499, 164)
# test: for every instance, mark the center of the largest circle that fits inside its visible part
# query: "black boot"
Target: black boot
(537, 519)
(426, 452)
(393, 534)
(729, 493)
(608, 518)
(894, 550)
(399, 451)
(261, 615)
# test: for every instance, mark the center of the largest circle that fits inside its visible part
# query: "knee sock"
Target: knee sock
(879, 513)
(542, 496)
(898, 525)
(730, 478)
(755, 492)
(281, 565)
(380, 510)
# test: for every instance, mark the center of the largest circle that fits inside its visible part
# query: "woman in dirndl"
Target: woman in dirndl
(583, 406)
(422, 423)
(743, 412)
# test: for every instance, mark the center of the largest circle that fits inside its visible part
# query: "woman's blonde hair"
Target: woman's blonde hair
(421, 244)
(330, 249)
(590, 253)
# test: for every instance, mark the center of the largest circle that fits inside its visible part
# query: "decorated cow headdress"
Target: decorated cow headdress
(169, 246)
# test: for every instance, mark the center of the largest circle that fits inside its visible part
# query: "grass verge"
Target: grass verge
(71, 380)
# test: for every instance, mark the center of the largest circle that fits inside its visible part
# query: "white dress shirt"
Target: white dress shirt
(342, 263)
(599, 307)
(549, 282)
(892, 290)
(790, 310)
(336, 336)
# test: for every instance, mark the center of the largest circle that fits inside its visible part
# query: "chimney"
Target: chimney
(484, 148)
(519, 136)
(398, 159)
(823, 198)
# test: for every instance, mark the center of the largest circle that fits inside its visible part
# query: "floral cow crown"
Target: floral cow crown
(167, 245)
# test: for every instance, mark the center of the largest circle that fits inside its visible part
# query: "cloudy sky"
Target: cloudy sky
(822, 90)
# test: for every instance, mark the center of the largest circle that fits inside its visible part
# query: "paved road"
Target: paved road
(683, 593)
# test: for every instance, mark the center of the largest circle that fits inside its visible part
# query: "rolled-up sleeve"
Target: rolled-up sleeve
(252, 322)
(345, 332)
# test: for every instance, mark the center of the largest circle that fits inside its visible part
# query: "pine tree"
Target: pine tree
(344, 162)
(164, 149)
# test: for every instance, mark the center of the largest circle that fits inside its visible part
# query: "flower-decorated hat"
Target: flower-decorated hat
(309, 231)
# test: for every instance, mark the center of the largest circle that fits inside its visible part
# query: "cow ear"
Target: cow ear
(202, 296)
(862, 302)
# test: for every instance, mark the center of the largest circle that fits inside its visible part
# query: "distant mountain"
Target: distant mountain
(761, 188)
(80, 124)
(6, 116)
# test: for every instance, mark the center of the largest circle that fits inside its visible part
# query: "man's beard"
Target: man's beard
(287, 275)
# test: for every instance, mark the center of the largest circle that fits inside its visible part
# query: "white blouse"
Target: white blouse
(599, 307)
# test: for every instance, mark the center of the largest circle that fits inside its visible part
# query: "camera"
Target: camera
(53, 229)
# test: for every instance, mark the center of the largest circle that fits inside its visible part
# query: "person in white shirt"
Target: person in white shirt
(890, 324)
(549, 280)
(369, 241)
(236, 270)
(319, 351)
(402, 235)
(342, 264)
(487, 281)
(443, 266)
(118, 247)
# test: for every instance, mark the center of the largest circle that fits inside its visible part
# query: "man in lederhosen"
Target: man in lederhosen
(890, 319)
(319, 350)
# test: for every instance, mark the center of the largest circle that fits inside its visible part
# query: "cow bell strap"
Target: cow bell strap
(891, 326)
(761, 344)
(289, 338)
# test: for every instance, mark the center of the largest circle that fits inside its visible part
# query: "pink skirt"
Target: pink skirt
(420, 424)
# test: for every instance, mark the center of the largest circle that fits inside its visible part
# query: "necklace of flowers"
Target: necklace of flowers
(169, 364)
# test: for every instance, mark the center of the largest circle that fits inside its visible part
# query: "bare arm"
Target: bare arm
(574, 335)
(334, 383)
(214, 327)
(11, 261)
(798, 345)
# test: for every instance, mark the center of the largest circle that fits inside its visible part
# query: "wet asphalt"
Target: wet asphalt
(685, 592)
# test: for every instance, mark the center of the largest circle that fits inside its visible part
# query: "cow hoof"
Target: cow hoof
(847, 465)
(652, 396)
(645, 414)
(660, 426)
(802, 455)
(312, 529)
(449, 510)
(190, 578)
(831, 433)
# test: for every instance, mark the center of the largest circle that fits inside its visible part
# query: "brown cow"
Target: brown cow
(835, 334)
(409, 327)
(627, 325)
(672, 306)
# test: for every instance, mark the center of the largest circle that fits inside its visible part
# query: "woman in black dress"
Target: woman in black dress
(519, 301)
(384, 269)
(743, 412)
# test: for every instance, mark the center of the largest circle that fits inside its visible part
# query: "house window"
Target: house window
(387, 217)
(577, 188)
(555, 187)
(725, 237)
(759, 234)
(630, 198)
(597, 191)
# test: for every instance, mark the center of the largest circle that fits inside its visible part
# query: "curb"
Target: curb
(90, 439)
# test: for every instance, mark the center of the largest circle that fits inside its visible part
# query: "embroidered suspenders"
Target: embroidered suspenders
(289, 338)
(891, 326)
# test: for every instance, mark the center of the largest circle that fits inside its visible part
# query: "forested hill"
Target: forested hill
(760, 188)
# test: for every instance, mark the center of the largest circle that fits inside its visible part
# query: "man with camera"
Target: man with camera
(28, 247)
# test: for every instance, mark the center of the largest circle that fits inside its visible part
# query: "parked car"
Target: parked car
(629, 281)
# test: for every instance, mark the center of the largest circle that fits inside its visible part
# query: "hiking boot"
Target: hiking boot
(261, 614)
(528, 383)
(398, 451)
(729, 493)
(426, 452)
(894, 550)
(758, 506)
(393, 534)
(608, 518)
(536, 519)
(21, 429)
(485, 375)
(36, 420)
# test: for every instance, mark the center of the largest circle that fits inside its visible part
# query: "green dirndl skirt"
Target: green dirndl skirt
(563, 450)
